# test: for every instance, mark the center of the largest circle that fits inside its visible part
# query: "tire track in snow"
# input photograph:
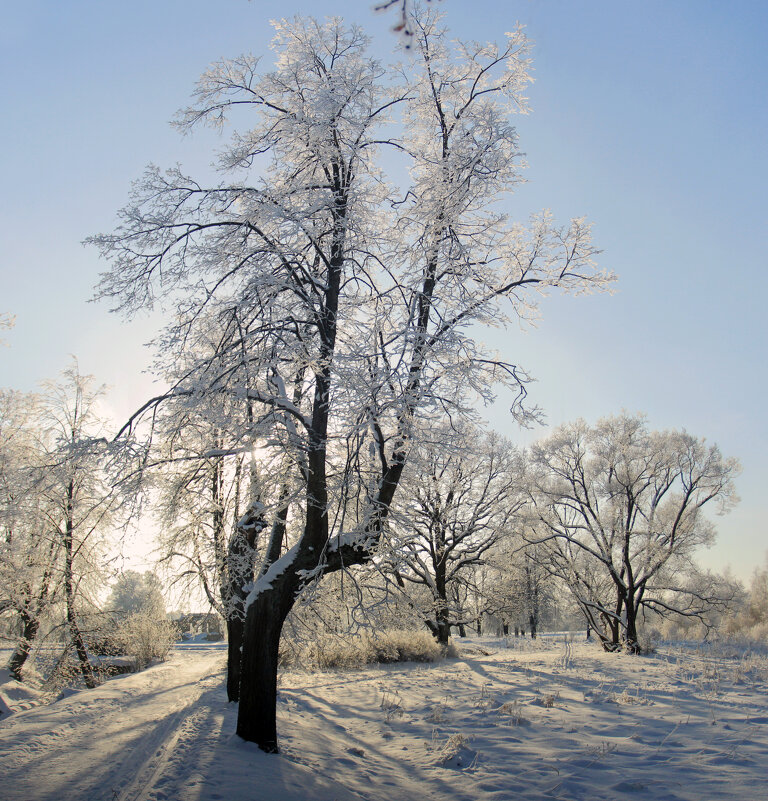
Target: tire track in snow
(164, 741)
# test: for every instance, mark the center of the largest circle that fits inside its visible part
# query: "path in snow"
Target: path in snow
(106, 743)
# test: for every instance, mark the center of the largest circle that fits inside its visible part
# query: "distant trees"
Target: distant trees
(521, 592)
(620, 511)
(137, 593)
(343, 307)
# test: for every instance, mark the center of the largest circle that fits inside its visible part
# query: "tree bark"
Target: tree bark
(257, 715)
(30, 628)
(235, 627)
(630, 634)
(241, 566)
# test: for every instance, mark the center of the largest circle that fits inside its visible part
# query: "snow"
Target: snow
(264, 583)
(507, 719)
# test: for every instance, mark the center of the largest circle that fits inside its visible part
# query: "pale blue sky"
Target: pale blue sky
(650, 118)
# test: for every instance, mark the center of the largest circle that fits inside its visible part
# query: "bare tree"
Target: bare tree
(81, 506)
(343, 308)
(29, 555)
(459, 505)
(621, 511)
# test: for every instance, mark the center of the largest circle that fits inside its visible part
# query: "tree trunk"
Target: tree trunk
(69, 593)
(82, 652)
(442, 630)
(31, 626)
(257, 713)
(241, 559)
(630, 635)
(443, 633)
(234, 654)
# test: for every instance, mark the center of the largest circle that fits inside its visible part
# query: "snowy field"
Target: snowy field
(506, 720)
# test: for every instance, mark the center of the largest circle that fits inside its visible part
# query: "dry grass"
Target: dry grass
(329, 653)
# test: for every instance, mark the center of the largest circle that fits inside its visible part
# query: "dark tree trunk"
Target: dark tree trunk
(532, 621)
(443, 633)
(235, 627)
(462, 630)
(30, 628)
(630, 635)
(443, 625)
(82, 652)
(241, 566)
(440, 630)
(69, 593)
(505, 628)
(257, 714)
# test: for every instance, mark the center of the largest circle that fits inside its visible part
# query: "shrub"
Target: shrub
(329, 652)
(145, 638)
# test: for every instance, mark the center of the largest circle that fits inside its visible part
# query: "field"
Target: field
(506, 719)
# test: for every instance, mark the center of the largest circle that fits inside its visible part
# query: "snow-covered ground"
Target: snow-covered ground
(530, 721)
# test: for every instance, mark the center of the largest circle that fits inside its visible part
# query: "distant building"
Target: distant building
(194, 623)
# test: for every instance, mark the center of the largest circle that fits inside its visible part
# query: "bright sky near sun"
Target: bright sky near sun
(650, 118)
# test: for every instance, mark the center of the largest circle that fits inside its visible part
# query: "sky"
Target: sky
(650, 119)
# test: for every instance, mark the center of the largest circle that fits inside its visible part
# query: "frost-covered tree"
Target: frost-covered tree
(81, 506)
(57, 509)
(521, 592)
(457, 506)
(621, 511)
(136, 593)
(345, 308)
(29, 555)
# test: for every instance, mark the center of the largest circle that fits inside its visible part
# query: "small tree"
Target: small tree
(137, 593)
(620, 509)
(80, 505)
(30, 557)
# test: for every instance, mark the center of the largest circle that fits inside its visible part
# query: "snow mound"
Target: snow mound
(16, 696)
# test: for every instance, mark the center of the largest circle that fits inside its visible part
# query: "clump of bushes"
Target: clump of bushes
(332, 652)
(145, 638)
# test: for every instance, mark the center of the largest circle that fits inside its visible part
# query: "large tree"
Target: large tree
(621, 511)
(345, 308)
